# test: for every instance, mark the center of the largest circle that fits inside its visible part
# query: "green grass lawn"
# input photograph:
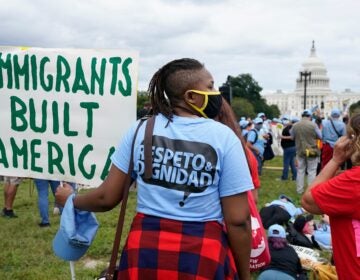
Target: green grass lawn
(26, 249)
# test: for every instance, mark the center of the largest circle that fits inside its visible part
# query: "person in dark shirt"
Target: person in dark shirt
(285, 263)
(288, 145)
(301, 233)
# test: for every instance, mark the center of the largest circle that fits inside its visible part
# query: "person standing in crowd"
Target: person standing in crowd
(256, 142)
(338, 196)
(267, 135)
(190, 212)
(285, 263)
(245, 126)
(266, 127)
(42, 186)
(10, 188)
(305, 133)
(332, 130)
(288, 145)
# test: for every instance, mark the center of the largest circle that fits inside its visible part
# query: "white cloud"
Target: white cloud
(269, 39)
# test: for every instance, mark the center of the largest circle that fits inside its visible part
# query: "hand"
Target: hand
(62, 193)
(343, 149)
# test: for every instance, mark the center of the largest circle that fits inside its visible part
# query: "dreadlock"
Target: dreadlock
(170, 82)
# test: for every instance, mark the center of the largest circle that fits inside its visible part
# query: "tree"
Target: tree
(142, 99)
(242, 108)
(274, 111)
(244, 86)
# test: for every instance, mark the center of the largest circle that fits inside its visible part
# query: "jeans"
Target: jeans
(42, 187)
(272, 274)
(289, 161)
(309, 165)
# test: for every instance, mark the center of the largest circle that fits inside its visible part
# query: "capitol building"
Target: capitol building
(312, 77)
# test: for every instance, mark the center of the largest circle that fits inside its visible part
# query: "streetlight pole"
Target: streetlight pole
(307, 77)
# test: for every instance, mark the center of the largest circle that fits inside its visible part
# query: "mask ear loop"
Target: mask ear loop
(201, 109)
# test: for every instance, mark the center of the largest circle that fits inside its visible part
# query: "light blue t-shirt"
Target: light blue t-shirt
(260, 142)
(288, 206)
(196, 161)
(328, 132)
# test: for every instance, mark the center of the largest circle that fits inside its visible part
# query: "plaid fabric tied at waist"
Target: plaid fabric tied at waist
(159, 248)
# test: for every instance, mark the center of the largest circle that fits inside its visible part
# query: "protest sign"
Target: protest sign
(63, 111)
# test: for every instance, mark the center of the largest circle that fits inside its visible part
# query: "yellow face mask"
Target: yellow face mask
(212, 103)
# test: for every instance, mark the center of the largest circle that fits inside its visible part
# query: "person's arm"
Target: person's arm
(103, 198)
(250, 144)
(252, 147)
(342, 151)
(292, 133)
(286, 137)
(237, 219)
(255, 194)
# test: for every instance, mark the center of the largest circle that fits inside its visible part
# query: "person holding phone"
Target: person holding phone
(337, 194)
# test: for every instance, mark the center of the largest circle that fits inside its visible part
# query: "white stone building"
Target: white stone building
(318, 92)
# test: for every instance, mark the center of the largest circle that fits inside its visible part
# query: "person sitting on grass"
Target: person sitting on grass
(279, 211)
(285, 263)
(301, 232)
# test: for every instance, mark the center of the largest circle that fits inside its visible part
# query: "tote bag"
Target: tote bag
(260, 254)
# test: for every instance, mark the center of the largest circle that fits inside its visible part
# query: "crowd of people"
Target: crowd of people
(206, 217)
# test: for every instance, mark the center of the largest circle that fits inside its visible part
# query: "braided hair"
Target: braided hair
(169, 83)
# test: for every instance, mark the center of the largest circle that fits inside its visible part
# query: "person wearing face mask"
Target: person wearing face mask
(197, 183)
(256, 142)
(288, 145)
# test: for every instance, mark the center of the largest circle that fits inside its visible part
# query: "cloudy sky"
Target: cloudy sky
(268, 39)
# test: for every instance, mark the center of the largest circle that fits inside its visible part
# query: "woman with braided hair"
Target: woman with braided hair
(199, 181)
(337, 194)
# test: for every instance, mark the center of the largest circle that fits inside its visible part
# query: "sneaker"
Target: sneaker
(42, 225)
(56, 211)
(8, 213)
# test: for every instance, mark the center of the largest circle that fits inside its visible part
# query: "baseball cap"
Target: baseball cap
(76, 232)
(301, 220)
(276, 231)
(294, 119)
(335, 113)
(258, 121)
(260, 115)
(306, 113)
(244, 123)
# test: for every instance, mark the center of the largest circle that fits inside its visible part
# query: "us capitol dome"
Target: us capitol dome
(319, 95)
